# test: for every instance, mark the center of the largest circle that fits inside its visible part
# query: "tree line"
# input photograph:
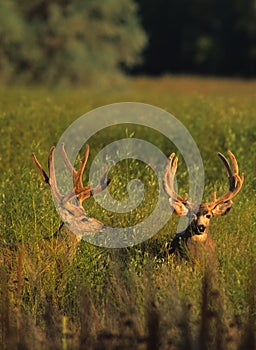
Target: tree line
(200, 36)
(70, 41)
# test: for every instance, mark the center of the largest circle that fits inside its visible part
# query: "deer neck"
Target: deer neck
(200, 238)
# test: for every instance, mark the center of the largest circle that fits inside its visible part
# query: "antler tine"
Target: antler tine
(51, 179)
(67, 161)
(235, 181)
(87, 191)
(52, 176)
(79, 181)
(77, 174)
(79, 190)
(104, 182)
(41, 170)
(168, 178)
(231, 178)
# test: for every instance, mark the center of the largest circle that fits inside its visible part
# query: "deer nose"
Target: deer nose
(201, 228)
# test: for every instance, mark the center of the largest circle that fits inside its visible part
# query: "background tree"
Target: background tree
(69, 40)
(91, 41)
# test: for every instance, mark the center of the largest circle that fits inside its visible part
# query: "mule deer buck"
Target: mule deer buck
(70, 205)
(195, 240)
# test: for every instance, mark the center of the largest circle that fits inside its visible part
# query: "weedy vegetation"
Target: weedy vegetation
(132, 298)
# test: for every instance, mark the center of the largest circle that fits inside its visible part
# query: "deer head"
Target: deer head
(200, 215)
(70, 205)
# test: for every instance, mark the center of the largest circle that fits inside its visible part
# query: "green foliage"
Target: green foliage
(70, 41)
(135, 296)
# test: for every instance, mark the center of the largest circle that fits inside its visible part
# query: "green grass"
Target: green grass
(133, 298)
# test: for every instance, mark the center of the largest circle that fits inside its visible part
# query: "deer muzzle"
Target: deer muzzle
(201, 228)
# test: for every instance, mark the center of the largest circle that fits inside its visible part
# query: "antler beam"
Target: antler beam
(72, 212)
(79, 190)
(235, 181)
(168, 179)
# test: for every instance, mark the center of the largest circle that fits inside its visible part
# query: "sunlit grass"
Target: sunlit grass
(122, 291)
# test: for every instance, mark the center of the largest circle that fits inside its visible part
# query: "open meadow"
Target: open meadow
(53, 297)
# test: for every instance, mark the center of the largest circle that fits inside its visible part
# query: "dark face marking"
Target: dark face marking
(201, 219)
(84, 220)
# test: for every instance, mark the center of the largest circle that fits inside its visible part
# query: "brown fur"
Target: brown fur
(192, 243)
(195, 241)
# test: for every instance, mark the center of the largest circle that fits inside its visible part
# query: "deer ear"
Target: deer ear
(178, 207)
(222, 208)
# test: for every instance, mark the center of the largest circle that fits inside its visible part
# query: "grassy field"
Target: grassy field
(54, 297)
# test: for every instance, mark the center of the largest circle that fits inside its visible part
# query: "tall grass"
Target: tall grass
(133, 298)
